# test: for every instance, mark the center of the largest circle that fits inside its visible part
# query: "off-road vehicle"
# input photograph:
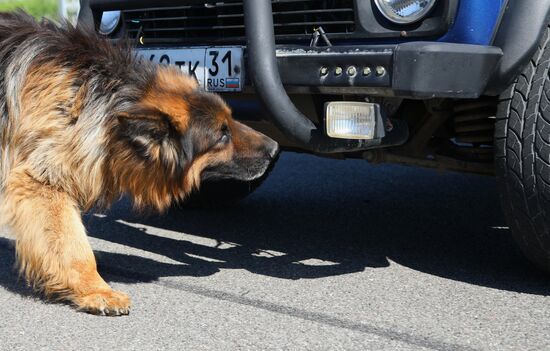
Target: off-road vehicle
(461, 85)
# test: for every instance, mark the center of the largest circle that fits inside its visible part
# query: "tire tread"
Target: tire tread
(523, 155)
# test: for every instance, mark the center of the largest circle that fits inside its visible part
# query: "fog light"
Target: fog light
(404, 11)
(351, 120)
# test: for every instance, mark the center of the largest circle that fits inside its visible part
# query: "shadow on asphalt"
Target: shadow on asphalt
(351, 214)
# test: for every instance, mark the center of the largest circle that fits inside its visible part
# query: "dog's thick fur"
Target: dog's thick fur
(83, 122)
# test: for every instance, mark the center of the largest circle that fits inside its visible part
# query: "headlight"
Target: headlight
(109, 22)
(404, 11)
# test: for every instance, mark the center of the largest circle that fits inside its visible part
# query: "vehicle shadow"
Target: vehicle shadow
(348, 213)
(316, 218)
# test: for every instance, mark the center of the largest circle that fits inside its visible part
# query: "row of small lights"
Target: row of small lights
(352, 71)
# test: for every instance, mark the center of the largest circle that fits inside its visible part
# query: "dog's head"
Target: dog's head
(178, 135)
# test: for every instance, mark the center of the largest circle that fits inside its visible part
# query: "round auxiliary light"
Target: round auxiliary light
(404, 11)
(109, 22)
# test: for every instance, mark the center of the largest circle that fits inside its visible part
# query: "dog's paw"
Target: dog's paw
(104, 303)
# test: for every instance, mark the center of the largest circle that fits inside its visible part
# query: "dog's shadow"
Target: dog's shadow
(316, 218)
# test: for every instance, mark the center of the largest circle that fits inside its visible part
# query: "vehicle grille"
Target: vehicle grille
(224, 21)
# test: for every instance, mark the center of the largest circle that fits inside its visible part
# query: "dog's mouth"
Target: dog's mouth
(244, 169)
(245, 166)
(259, 172)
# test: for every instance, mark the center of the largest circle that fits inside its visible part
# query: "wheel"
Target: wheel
(225, 192)
(522, 146)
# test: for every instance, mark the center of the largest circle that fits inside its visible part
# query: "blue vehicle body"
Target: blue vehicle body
(475, 22)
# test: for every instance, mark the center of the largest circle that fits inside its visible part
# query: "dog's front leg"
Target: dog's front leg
(52, 249)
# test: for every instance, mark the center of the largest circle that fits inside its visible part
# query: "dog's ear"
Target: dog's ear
(152, 137)
(148, 133)
(144, 127)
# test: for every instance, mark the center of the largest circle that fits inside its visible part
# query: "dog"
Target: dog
(84, 122)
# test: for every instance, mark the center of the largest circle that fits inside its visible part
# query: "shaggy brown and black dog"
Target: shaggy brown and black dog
(83, 122)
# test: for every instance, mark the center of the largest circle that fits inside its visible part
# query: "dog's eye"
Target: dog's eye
(224, 139)
(226, 135)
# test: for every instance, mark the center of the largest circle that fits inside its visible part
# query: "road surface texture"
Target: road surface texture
(327, 254)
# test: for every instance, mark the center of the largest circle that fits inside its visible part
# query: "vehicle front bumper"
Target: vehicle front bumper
(414, 70)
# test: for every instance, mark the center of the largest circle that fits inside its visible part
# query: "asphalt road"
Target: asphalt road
(327, 254)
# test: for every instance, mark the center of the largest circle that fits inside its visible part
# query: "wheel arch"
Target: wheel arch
(519, 31)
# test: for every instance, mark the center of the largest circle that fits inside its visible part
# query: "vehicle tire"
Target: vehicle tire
(522, 146)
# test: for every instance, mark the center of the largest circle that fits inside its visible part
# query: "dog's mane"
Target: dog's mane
(25, 42)
(78, 47)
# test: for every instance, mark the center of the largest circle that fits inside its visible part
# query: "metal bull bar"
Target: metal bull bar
(264, 74)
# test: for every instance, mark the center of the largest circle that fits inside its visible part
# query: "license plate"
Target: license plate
(215, 68)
